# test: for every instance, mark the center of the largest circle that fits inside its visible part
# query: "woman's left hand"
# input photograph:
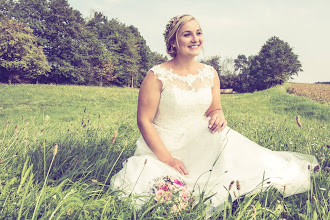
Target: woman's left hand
(217, 121)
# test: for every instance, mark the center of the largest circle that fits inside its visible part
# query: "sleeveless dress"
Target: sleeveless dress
(214, 161)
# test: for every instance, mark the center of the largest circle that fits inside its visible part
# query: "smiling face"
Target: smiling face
(189, 39)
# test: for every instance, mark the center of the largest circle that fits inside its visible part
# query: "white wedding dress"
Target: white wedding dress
(213, 161)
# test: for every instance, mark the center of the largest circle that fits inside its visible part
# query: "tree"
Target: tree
(130, 54)
(241, 64)
(99, 51)
(228, 67)
(6, 9)
(275, 64)
(21, 58)
(107, 73)
(213, 61)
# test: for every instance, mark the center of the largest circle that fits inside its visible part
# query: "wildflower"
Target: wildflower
(231, 184)
(55, 150)
(235, 194)
(327, 169)
(316, 168)
(46, 117)
(94, 181)
(328, 146)
(145, 162)
(314, 198)
(238, 185)
(284, 189)
(298, 121)
(114, 137)
(1, 161)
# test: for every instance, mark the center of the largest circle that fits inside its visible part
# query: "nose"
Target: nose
(195, 38)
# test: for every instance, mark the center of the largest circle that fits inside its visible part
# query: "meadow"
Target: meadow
(60, 146)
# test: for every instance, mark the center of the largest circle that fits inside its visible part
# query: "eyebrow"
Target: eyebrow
(190, 31)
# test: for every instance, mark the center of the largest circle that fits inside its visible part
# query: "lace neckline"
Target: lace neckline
(189, 75)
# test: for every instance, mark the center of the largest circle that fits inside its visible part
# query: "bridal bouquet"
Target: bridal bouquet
(171, 192)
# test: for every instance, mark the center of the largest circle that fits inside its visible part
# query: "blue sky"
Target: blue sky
(233, 27)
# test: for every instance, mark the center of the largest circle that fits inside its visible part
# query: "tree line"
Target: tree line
(47, 41)
(275, 64)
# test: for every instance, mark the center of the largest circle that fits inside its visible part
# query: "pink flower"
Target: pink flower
(173, 192)
(178, 182)
(165, 188)
(168, 196)
(184, 195)
(159, 194)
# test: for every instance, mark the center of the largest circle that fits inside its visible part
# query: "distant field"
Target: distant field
(60, 145)
(317, 92)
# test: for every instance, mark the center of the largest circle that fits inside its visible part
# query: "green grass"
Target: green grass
(74, 182)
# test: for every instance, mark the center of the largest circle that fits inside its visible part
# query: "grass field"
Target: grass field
(60, 145)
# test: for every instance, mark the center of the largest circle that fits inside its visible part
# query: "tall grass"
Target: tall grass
(93, 130)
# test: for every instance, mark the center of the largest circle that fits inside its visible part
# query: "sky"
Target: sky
(233, 27)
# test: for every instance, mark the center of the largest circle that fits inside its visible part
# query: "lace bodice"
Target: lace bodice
(183, 97)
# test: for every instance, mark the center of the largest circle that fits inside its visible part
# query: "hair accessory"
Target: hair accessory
(170, 24)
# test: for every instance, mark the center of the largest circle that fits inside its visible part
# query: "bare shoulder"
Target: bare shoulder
(201, 65)
(151, 81)
(215, 73)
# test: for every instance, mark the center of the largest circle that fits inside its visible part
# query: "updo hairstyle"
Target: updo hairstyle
(171, 32)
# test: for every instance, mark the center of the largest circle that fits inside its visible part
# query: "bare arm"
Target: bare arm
(149, 97)
(217, 121)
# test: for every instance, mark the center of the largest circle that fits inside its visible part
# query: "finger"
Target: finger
(211, 121)
(184, 170)
(220, 125)
(180, 171)
(223, 125)
(216, 124)
(178, 168)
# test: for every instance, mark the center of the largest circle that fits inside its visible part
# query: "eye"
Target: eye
(186, 35)
(199, 33)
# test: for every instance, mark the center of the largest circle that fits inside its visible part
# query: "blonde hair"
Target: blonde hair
(171, 32)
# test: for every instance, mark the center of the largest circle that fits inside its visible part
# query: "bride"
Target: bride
(185, 133)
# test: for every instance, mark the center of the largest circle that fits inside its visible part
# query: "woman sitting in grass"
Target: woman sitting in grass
(186, 146)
